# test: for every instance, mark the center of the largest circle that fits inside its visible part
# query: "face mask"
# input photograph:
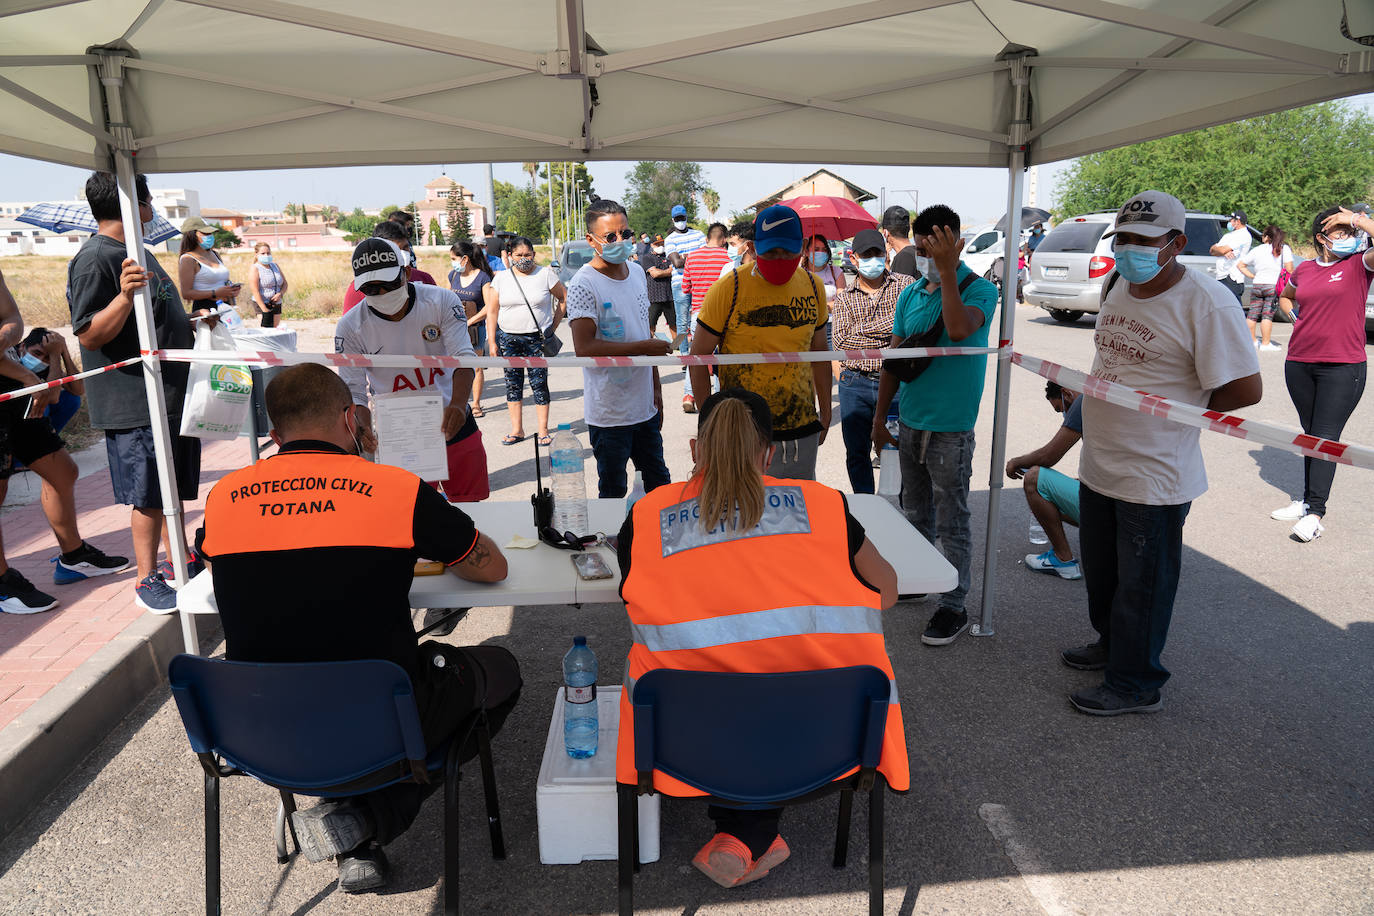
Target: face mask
(1138, 263)
(264, 259)
(616, 252)
(923, 267)
(353, 431)
(389, 303)
(872, 268)
(819, 258)
(778, 272)
(524, 265)
(1342, 248)
(33, 364)
(409, 257)
(207, 242)
(680, 224)
(658, 249)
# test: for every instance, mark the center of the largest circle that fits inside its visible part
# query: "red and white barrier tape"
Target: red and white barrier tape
(382, 361)
(56, 383)
(1280, 437)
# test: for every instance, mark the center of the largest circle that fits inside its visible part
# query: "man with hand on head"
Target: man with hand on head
(358, 528)
(401, 318)
(939, 408)
(608, 311)
(772, 307)
(1170, 331)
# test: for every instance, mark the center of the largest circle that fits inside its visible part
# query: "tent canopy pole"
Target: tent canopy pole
(1016, 167)
(111, 73)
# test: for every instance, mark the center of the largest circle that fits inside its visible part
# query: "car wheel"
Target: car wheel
(1067, 316)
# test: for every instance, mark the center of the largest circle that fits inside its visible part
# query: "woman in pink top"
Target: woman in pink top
(1326, 368)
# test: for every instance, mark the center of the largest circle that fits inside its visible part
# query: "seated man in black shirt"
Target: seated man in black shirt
(338, 537)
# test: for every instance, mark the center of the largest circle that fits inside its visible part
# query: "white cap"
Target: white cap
(1151, 214)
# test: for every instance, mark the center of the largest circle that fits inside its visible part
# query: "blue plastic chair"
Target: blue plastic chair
(328, 729)
(760, 740)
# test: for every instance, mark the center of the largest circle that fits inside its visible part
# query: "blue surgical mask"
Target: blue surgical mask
(872, 268)
(207, 242)
(616, 252)
(1138, 263)
(264, 259)
(33, 364)
(1342, 248)
(923, 267)
(820, 258)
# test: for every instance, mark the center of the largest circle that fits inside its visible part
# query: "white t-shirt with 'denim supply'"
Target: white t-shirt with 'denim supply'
(1182, 344)
(621, 396)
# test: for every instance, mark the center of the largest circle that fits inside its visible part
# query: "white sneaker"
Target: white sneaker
(1270, 347)
(1308, 528)
(1291, 512)
(1255, 341)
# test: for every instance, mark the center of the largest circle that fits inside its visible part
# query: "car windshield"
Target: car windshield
(982, 243)
(1073, 236)
(575, 256)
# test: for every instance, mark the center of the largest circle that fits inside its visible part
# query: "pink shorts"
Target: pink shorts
(467, 471)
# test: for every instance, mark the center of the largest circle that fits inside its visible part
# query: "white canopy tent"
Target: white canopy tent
(199, 85)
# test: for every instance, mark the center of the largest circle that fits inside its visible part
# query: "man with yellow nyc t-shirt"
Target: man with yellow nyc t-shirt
(772, 307)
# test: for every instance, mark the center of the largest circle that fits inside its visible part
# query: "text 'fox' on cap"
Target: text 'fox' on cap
(778, 227)
(375, 260)
(1149, 214)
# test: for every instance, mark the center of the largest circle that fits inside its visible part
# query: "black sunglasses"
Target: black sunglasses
(627, 235)
(565, 541)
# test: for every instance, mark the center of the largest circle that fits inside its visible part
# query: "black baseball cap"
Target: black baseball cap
(763, 416)
(867, 239)
(375, 259)
(1240, 215)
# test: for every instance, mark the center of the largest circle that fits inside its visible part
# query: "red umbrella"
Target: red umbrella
(835, 218)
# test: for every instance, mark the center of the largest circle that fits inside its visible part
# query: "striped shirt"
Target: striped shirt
(682, 243)
(860, 321)
(703, 267)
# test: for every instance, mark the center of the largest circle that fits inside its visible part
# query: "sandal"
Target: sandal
(546, 440)
(477, 412)
(512, 438)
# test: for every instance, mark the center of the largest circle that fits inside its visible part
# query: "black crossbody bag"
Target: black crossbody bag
(909, 368)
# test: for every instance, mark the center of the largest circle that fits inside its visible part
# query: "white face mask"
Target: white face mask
(680, 224)
(389, 303)
(924, 267)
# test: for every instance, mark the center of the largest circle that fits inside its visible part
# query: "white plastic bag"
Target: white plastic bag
(218, 395)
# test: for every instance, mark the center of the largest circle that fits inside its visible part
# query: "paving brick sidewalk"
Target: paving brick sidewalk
(37, 651)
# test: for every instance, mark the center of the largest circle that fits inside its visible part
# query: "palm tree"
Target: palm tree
(712, 201)
(533, 169)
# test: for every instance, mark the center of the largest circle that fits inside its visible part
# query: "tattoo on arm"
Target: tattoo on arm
(479, 557)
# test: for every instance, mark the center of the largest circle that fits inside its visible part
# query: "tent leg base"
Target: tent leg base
(978, 629)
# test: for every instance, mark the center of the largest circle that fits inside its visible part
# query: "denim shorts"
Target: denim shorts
(133, 466)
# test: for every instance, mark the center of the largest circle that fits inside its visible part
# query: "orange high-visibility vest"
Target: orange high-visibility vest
(778, 597)
(311, 499)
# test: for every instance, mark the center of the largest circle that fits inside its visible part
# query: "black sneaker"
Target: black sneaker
(434, 615)
(332, 829)
(944, 627)
(83, 563)
(363, 869)
(1104, 701)
(1092, 657)
(18, 596)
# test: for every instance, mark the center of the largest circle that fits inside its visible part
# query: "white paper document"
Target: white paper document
(410, 434)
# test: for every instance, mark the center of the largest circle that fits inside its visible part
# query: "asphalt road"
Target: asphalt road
(1249, 793)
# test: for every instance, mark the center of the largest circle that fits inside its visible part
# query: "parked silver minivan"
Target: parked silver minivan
(1072, 261)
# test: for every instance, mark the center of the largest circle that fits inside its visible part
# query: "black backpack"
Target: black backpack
(908, 368)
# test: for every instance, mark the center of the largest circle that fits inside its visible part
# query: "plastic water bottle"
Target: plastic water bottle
(636, 491)
(889, 463)
(569, 482)
(1038, 536)
(579, 700)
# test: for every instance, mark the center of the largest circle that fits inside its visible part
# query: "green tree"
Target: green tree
(459, 226)
(305, 217)
(1281, 168)
(435, 235)
(522, 211)
(388, 210)
(577, 180)
(356, 226)
(226, 239)
(711, 199)
(656, 187)
(533, 169)
(289, 211)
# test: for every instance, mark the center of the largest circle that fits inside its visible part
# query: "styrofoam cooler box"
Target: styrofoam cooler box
(575, 799)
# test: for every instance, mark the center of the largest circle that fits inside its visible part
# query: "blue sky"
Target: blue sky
(979, 195)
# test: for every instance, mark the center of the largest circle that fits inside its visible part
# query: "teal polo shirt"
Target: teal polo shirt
(944, 399)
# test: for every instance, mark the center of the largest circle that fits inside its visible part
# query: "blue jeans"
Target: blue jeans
(1131, 557)
(858, 396)
(936, 468)
(613, 446)
(682, 303)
